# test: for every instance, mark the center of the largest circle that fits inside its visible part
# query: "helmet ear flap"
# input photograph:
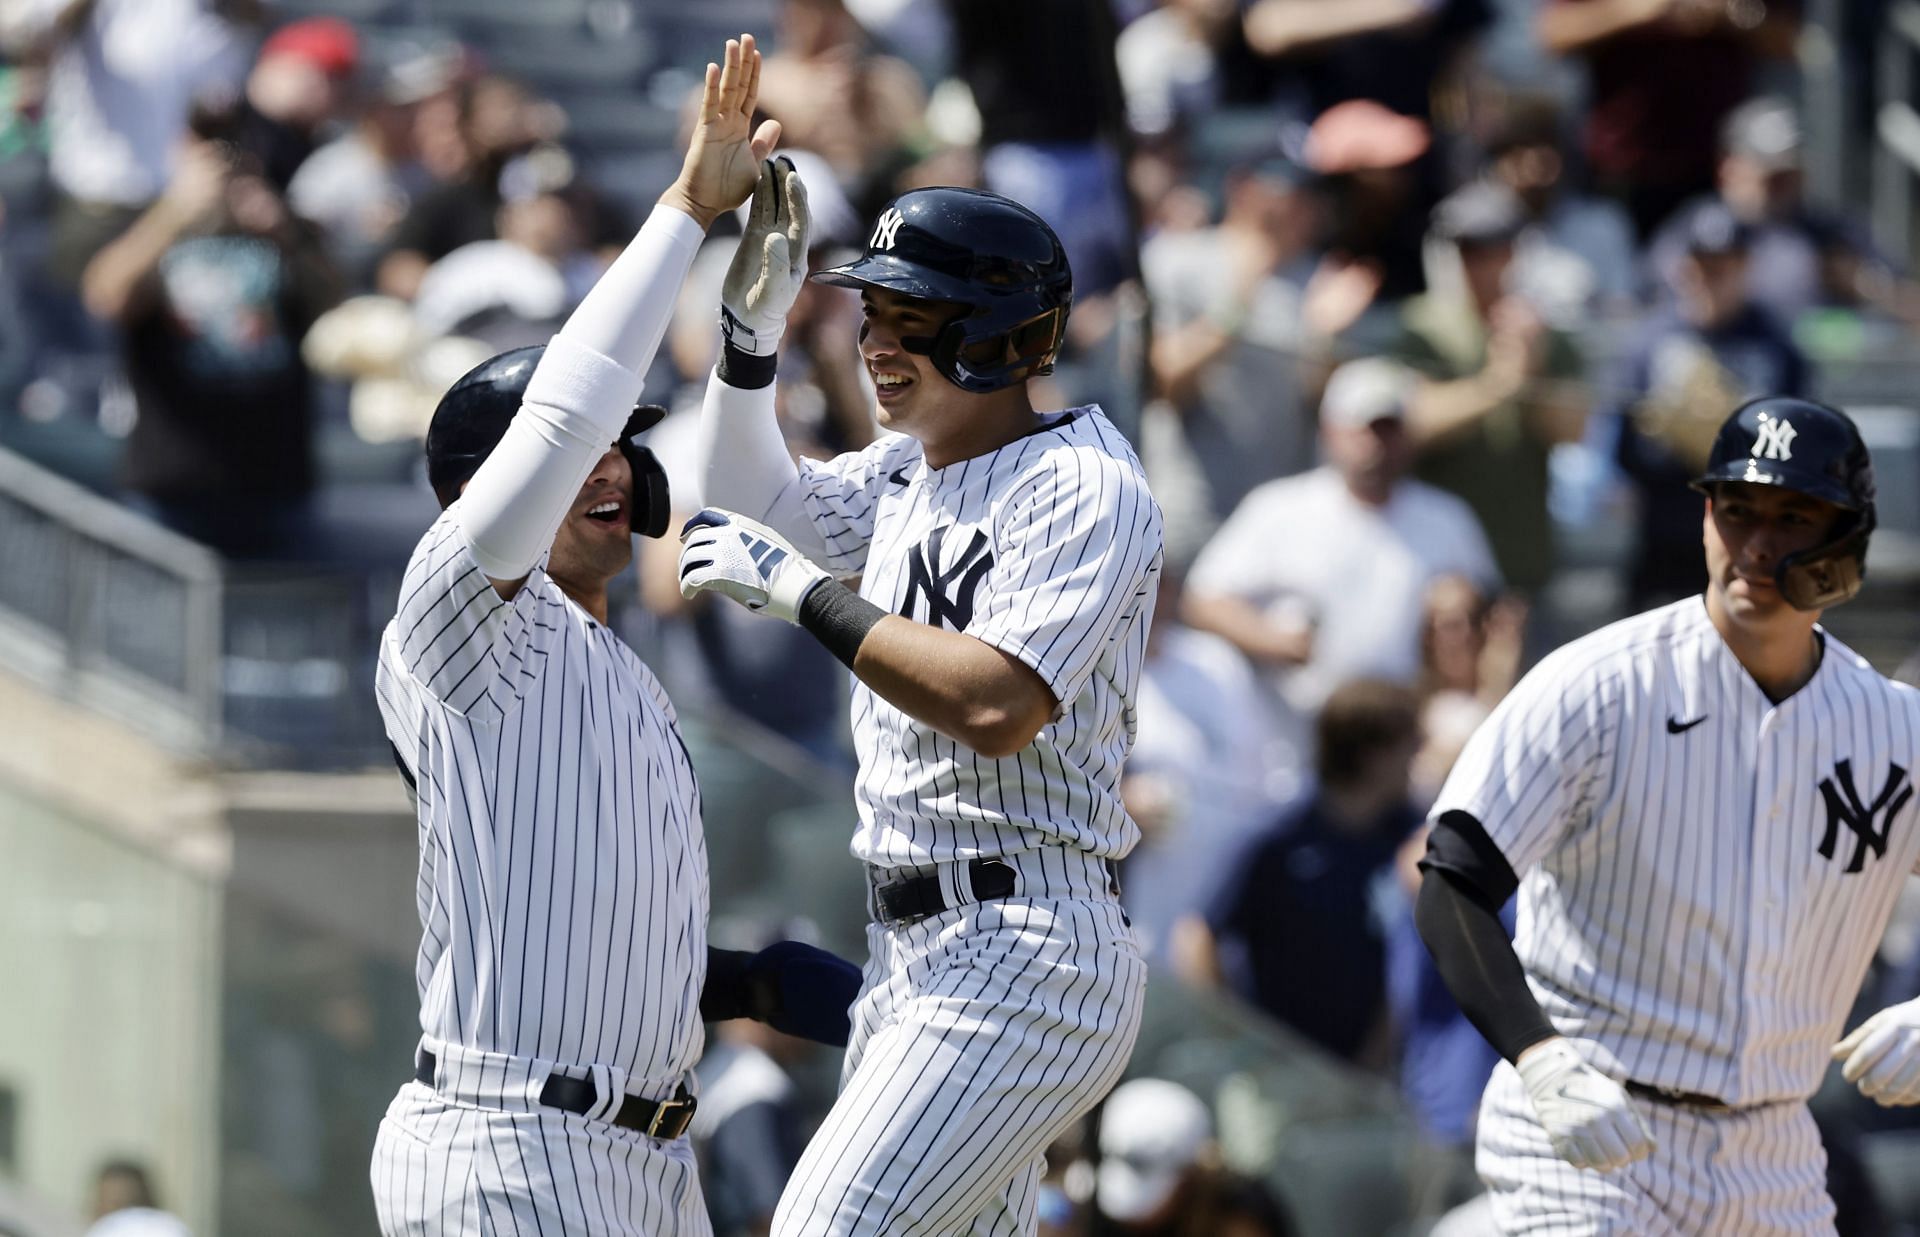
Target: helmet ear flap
(652, 497)
(1829, 574)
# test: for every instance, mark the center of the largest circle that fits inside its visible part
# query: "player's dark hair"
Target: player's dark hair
(1360, 720)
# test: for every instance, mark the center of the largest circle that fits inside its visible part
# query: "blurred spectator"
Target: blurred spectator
(297, 89)
(748, 1130)
(1662, 74)
(1321, 578)
(1299, 926)
(1204, 773)
(1052, 125)
(1160, 1175)
(1227, 309)
(518, 289)
(1576, 255)
(836, 95)
(1800, 256)
(1372, 161)
(1502, 386)
(124, 1204)
(124, 75)
(1169, 63)
(213, 287)
(467, 145)
(359, 186)
(1689, 366)
(1470, 645)
(1392, 52)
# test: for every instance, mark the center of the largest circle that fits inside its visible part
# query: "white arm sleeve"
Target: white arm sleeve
(578, 400)
(748, 467)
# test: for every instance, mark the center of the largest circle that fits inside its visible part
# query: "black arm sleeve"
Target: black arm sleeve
(725, 993)
(1466, 881)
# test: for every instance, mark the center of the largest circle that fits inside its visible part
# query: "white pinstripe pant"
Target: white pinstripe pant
(982, 1034)
(490, 1159)
(1760, 1172)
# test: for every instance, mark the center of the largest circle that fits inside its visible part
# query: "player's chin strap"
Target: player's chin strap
(1829, 574)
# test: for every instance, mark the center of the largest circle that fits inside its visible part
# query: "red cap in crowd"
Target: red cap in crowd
(327, 42)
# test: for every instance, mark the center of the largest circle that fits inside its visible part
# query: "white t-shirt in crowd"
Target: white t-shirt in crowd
(1305, 547)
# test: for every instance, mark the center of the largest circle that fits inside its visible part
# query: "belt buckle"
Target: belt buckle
(679, 1109)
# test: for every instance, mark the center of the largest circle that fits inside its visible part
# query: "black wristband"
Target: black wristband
(839, 618)
(744, 371)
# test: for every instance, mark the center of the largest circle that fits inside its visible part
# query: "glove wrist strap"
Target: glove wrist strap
(761, 339)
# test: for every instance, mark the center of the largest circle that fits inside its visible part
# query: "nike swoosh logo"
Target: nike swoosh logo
(899, 476)
(1676, 726)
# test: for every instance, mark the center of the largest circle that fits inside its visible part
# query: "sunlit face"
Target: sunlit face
(595, 541)
(912, 395)
(1370, 457)
(1748, 529)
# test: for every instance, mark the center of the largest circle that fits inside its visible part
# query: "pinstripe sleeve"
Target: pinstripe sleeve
(1525, 773)
(1075, 547)
(841, 497)
(454, 635)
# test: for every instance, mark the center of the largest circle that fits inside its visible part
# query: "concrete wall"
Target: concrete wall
(109, 959)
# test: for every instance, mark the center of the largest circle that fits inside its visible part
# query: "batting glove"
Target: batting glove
(1882, 1056)
(747, 561)
(770, 267)
(1587, 1115)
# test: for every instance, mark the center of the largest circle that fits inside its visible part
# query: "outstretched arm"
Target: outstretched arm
(587, 382)
(966, 689)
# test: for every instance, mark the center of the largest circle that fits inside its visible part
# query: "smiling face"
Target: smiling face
(912, 395)
(1748, 529)
(595, 542)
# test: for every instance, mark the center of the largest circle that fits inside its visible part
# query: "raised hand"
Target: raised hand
(770, 267)
(724, 157)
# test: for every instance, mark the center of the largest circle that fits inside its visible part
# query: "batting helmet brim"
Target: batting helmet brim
(1765, 472)
(898, 275)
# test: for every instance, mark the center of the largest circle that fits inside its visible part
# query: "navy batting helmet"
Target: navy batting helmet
(985, 252)
(472, 418)
(1814, 450)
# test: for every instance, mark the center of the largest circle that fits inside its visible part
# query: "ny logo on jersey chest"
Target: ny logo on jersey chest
(948, 590)
(1844, 807)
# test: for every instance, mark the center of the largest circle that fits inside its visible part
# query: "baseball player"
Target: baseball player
(563, 969)
(1708, 813)
(1007, 561)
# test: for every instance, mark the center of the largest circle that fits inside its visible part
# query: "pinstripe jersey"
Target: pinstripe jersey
(563, 872)
(1048, 549)
(1705, 875)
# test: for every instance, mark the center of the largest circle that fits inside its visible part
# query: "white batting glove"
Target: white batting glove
(1587, 1115)
(1882, 1056)
(770, 267)
(744, 559)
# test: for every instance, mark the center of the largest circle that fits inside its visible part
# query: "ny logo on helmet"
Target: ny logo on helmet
(1774, 438)
(886, 228)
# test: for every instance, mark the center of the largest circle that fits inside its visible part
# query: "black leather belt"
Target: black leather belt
(1685, 1099)
(667, 1119)
(916, 897)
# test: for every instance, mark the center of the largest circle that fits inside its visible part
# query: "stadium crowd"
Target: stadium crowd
(1412, 307)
